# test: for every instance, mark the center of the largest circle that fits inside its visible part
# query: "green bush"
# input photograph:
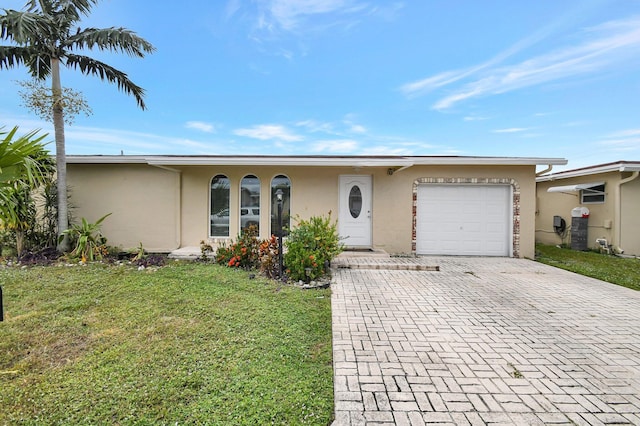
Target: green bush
(310, 248)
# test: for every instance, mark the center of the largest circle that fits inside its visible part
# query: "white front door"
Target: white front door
(354, 219)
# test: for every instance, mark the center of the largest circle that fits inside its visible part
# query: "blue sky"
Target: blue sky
(541, 78)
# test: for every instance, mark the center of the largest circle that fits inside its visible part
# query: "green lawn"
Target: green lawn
(617, 270)
(187, 343)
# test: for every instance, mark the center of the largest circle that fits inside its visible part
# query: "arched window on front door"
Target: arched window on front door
(250, 203)
(282, 183)
(219, 213)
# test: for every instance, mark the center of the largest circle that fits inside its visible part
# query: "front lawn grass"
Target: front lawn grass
(184, 344)
(613, 269)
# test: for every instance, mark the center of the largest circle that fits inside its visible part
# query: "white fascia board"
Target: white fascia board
(488, 161)
(631, 166)
(106, 159)
(280, 161)
(349, 161)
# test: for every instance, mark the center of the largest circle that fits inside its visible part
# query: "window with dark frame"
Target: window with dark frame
(250, 203)
(593, 195)
(219, 206)
(284, 183)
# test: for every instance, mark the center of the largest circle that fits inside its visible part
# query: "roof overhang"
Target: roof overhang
(618, 167)
(574, 188)
(400, 162)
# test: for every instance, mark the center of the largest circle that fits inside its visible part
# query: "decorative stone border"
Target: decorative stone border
(472, 181)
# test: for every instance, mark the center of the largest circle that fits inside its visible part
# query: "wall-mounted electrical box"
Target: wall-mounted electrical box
(557, 221)
(559, 225)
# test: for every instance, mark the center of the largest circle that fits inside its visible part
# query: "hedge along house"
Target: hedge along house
(479, 206)
(611, 193)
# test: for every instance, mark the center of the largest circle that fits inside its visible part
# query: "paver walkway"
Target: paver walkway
(483, 341)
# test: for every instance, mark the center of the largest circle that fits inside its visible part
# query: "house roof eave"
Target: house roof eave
(401, 162)
(619, 166)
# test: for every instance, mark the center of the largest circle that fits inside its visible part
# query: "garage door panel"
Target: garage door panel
(463, 220)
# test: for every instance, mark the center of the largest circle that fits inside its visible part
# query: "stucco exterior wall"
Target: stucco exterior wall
(166, 209)
(315, 191)
(630, 215)
(602, 223)
(144, 202)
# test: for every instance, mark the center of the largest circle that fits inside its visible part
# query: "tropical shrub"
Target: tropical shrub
(25, 167)
(243, 253)
(268, 257)
(90, 244)
(311, 246)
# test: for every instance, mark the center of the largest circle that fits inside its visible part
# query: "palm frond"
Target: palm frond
(78, 7)
(73, 8)
(13, 56)
(113, 39)
(90, 66)
(21, 27)
(24, 156)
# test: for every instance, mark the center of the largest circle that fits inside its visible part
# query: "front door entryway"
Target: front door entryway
(354, 218)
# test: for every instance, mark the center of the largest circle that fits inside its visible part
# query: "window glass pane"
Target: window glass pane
(355, 201)
(593, 195)
(250, 203)
(283, 183)
(219, 206)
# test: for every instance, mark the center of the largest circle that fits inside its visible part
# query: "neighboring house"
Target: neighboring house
(481, 206)
(611, 193)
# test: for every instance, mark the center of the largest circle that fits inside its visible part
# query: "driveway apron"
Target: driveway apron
(482, 341)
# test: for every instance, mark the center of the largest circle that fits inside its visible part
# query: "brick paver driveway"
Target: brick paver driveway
(484, 341)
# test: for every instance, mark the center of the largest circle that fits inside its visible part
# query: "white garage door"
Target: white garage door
(472, 220)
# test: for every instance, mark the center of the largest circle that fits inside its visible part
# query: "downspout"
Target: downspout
(178, 211)
(547, 170)
(633, 176)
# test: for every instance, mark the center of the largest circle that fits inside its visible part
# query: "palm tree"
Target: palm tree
(45, 36)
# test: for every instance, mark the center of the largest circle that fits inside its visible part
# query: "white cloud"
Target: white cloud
(626, 133)
(511, 130)
(343, 146)
(352, 126)
(288, 14)
(623, 141)
(386, 150)
(428, 84)
(269, 132)
(200, 125)
(314, 126)
(475, 118)
(604, 47)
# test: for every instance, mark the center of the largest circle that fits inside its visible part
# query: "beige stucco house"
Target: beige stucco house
(438, 205)
(610, 192)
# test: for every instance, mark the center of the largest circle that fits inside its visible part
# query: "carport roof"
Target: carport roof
(399, 162)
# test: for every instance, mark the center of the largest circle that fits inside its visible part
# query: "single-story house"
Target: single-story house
(610, 193)
(432, 205)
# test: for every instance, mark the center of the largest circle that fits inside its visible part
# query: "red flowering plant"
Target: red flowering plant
(241, 254)
(268, 256)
